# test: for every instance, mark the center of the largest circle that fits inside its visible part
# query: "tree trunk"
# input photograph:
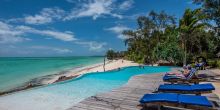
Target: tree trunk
(104, 65)
(185, 53)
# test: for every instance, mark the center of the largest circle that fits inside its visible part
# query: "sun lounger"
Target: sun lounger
(187, 89)
(191, 78)
(200, 66)
(174, 100)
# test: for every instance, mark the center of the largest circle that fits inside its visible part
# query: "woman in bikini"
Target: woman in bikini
(185, 72)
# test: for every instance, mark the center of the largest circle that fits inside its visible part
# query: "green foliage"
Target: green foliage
(214, 63)
(110, 54)
(142, 41)
(169, 51)
(211, 8)
(159, 38)
(189, 26)
(218, 64)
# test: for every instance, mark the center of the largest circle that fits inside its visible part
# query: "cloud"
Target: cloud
(93, 45)
(126, 5)
(73, 1)
(94, 9)
(64, 36)
(46, 15)
(34, 50)
(118, 31)
(13, 34)
(37, 19)
(53, 49)
(82, 8)
(11, 50)
(9, 35)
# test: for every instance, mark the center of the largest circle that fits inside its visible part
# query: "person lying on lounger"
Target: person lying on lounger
(185, 72)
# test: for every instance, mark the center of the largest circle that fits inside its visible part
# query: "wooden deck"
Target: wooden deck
(126, 97)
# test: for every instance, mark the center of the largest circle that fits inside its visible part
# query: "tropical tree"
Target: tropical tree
(169, 50)
(161, 21)
(189, 25)
(212, 9)
(157, 37)
(110, 54)
(149, 33)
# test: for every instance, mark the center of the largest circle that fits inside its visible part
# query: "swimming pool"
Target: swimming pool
(62, 95)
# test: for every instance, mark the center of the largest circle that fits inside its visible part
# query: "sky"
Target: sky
(38, 28)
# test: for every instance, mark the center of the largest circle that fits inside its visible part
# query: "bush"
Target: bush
(214, 63)
(218, 64)
(169, 51)
(110, 54)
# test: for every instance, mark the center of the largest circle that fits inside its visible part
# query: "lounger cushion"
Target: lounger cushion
(175, 98)
(172, 77)
(194, 100)
(162, 97)
(203, 87)
(200, 64)
(174, 87)
(183, 87)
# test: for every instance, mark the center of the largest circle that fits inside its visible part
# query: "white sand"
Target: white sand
(110, 65)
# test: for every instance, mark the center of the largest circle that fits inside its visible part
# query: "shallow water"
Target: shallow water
(15, 72)
(63, 95)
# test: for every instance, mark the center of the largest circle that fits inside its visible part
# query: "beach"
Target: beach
(110, 65)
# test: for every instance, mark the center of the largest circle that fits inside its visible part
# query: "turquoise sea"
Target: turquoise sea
(15, 72)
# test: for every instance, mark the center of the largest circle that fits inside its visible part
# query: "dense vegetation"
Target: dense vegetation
(114, 55)
(160, 36)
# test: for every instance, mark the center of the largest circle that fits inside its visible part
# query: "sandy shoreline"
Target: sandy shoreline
(98, 67)
(110, 65)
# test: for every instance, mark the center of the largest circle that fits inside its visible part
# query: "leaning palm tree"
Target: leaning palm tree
(191, 23)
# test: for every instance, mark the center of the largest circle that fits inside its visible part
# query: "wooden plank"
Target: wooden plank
(126, 97)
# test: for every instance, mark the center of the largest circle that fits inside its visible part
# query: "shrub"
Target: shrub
(214, 63)
(218, 64)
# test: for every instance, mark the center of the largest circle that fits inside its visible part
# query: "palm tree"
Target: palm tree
(212, 9)
(188, 26)
(161, 21)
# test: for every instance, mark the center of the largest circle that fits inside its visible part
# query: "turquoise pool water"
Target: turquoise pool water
(61, 96)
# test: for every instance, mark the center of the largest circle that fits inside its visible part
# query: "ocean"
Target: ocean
(16, 71)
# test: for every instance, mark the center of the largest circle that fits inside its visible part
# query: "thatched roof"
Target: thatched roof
(164, 63)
